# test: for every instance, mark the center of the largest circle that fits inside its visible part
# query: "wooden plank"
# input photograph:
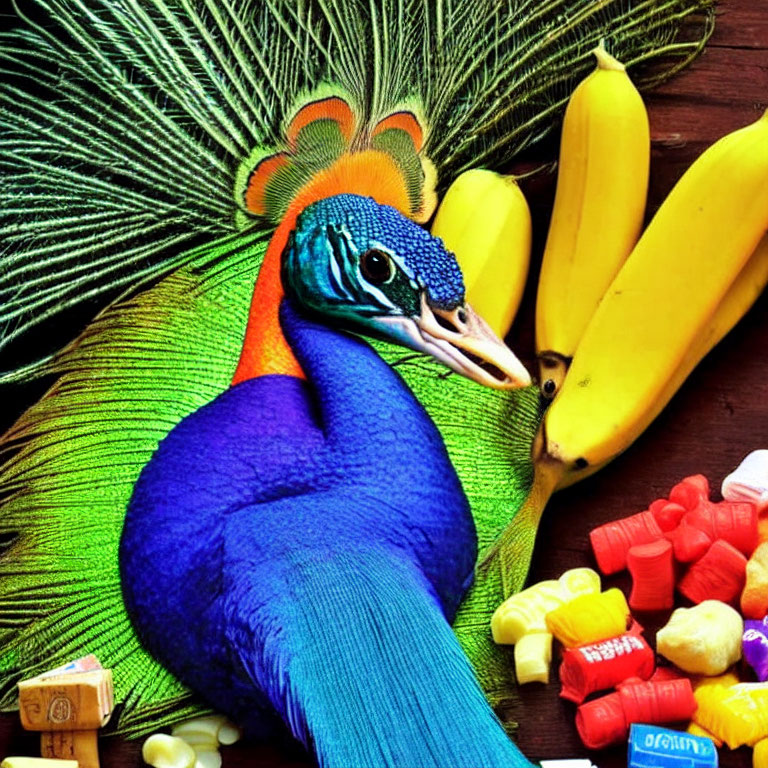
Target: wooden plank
(742, 25)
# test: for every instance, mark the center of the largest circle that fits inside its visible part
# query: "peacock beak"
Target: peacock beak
(462, 340)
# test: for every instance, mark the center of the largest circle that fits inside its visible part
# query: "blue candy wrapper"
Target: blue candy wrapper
(654, 747)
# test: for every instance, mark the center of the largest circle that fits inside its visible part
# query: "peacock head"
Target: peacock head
(371, 267)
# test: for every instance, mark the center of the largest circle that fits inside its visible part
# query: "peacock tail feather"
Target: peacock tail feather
(149, 148)
(129, 125)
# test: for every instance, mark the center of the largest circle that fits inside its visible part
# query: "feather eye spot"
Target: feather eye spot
(377, 267)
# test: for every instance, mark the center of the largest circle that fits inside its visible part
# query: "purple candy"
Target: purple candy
(755, 646)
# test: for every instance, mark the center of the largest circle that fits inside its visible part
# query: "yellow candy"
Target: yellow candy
(696, 730)
(590, 618)
(533, 654)
(727, 679)
(760, 754)
(526, 611)
(737, 714)
(703, 640)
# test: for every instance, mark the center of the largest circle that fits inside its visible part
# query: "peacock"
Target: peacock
(229, 500)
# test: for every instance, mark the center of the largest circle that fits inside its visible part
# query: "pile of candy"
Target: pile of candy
(715, 554)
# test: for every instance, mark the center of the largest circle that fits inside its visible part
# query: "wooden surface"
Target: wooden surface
(719, 415)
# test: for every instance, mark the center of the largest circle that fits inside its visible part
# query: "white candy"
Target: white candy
(163, 751)
(749, 481)
(193, 743)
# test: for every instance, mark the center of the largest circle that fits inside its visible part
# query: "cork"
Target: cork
(80, 746)
(36, 762)
(73, 701)
(68, 705)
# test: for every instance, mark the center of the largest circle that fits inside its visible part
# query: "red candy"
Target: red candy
(664, 701)
(601, 722)
(666, 673)
(705, 522)
(606, 720)
(668, 514)
(689, 490)
(597, 666)
(611, 542)
(688, 519)
(653, 576)
(718, 575)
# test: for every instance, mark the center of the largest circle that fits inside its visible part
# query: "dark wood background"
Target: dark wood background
(718, 416)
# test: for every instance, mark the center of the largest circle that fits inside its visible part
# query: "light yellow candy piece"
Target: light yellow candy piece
(163, 751)
(524, 612)
(760, 754)
(208, 758)
(37, 762)
(590, 618)
(703, 640)
(580, 581)
(229, 733)
(205, 728)
(533, 655)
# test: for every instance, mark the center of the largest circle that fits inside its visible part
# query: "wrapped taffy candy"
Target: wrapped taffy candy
(737, 714)
(665, 701)
(703, 640)
(525, 611)
(718, 575)
(754, 596)
(754, 644)
(605, 721)
(599, 666)
(651, 746)
(590, 618)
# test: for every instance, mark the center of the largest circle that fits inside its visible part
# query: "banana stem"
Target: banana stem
(515, 544)
(605, 60)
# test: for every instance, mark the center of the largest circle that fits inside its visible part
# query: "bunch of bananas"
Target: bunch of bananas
(622, 317)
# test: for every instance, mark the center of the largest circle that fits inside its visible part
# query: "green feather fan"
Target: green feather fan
(124, 124)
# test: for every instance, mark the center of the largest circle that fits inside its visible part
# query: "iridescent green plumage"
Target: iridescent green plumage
(127, 155)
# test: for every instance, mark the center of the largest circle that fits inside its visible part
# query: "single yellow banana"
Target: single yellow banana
(652, 321)
(602, 185)
(740, 297)
(484, 219)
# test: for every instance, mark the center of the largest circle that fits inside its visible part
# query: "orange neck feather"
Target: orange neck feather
(369, 173)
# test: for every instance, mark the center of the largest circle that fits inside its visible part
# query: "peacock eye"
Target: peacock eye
(376, 267)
